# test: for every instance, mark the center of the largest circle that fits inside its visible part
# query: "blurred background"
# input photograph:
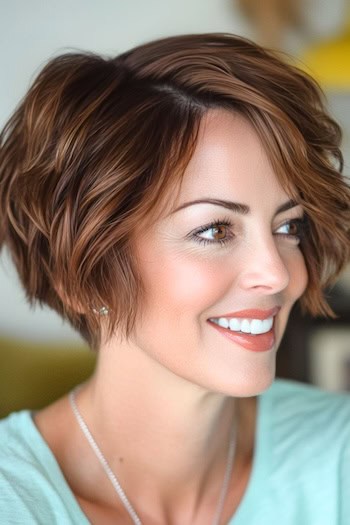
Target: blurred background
(40, 356)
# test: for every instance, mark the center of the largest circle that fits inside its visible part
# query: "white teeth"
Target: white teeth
(257, 326)
(267, 324)
(235, 324)
(223, 322)
(247, 326)
(261, 327)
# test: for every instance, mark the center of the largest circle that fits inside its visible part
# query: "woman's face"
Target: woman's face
(217, 270)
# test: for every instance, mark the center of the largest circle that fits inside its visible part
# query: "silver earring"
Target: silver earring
(102, 311)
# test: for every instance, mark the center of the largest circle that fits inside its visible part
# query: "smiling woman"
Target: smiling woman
(173, 203)
(190, 276)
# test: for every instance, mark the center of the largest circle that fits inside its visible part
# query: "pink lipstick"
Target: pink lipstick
(253, 313)
(254, 342)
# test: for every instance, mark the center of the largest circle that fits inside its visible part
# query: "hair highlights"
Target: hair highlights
(98, 143)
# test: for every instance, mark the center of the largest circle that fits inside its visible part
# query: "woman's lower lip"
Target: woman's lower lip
(255, 343)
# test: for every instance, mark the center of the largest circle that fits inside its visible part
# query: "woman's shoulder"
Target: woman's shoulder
(306, 424)
(15, 436)
(21, 471)
(305, 400)
(32, 487)
(24, 471)
(302, 406)
(302, 464)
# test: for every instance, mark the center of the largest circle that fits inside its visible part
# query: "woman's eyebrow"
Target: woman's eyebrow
(236, 207)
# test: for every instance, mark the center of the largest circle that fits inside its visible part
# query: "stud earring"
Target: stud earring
(102, 311)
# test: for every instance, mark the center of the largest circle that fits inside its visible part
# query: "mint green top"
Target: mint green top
(300, 474)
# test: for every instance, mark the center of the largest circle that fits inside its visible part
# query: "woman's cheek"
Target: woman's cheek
(188, 280)
(298, 274)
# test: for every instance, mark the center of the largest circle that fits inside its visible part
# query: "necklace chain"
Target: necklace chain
(116, 485)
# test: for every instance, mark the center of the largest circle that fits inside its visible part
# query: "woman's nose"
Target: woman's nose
(264, 268)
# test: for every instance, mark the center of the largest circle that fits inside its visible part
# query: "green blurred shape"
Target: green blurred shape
(32, 375)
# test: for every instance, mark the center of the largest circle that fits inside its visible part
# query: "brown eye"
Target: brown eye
(214, 233)
(291, 230)
(219, 232)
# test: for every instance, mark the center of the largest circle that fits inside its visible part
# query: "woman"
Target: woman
(172, 204)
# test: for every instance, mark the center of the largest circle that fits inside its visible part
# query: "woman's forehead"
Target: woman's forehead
(229, 159)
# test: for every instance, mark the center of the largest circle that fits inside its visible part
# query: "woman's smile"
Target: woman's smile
(252, 329)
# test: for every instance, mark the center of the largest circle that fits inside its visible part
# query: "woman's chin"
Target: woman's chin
(246, 384)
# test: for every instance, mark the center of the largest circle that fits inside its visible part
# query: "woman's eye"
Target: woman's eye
(217, 232)
(292, 229)
(220, 232)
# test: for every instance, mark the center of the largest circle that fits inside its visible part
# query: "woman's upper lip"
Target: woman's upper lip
(252, 313)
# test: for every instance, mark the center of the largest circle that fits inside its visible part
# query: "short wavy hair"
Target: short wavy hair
(97, 143)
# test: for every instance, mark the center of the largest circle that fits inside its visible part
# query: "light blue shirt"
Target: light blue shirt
(300, 474)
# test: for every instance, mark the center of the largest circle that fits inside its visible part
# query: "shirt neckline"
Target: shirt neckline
(251, 495)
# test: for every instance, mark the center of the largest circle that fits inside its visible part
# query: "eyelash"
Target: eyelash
(300, 223)
(215, 224)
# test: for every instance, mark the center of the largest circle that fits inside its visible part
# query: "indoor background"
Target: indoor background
(40, 356)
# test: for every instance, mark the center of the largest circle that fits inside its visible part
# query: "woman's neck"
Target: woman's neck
(164, 438)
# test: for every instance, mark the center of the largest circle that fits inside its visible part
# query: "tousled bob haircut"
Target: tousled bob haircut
(97, 143)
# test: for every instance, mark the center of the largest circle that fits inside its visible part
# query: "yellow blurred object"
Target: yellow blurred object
(329, 63)
(32, 375)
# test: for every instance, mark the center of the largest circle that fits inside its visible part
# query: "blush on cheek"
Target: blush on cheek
(192, 284)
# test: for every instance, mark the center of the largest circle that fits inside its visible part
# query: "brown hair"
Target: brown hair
(96, 144)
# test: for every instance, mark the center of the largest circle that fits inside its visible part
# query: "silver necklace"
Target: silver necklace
(113, 479)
